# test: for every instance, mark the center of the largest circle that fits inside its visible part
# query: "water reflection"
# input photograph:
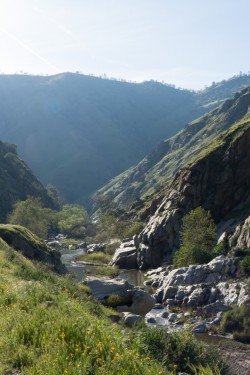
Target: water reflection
(134, 277)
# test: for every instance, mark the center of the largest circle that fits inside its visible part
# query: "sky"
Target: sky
(189, 43)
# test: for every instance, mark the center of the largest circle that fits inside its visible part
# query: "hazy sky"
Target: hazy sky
(186, 42)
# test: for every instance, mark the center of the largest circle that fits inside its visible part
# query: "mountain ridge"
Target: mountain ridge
(77, 132)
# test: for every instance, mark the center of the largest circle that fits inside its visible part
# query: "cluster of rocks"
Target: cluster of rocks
(205, 290)
(196, 296)
(133, 300)
(93, 247)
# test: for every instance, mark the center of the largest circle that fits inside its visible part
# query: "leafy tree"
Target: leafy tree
(72, 220)
(32, 215)
(197, 238)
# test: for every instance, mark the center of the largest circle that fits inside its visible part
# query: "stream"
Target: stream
(134, 277)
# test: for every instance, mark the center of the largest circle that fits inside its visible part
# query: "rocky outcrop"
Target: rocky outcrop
(205, 287)
(131, 319)
(200, 294)
(25, 242)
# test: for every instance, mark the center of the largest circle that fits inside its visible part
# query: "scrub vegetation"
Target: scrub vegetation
(50, 325)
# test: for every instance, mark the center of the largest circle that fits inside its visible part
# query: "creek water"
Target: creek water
(68, 258)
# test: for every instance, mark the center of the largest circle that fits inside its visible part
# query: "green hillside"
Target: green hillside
(154, 172)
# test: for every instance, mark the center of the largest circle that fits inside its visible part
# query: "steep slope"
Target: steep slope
(17, 181)
(218, 179)
(154, 172)
(77, 131)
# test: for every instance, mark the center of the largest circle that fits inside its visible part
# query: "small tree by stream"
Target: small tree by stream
(197, 238)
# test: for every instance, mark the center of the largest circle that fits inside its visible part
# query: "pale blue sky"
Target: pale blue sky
(189, 43)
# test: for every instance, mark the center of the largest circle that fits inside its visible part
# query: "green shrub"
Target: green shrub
(179, 350)
(245, 265)
(237, 322)
(197, 238)
(115, 300)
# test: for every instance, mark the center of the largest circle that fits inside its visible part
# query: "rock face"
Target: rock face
(22, 240)
(219, 180)
(241, 236)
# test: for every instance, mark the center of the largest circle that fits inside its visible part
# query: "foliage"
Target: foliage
(245, 265)
(197, 238)
(237, 322)
(179, 350)
(72, 220)
(32, 215)
(115, 300)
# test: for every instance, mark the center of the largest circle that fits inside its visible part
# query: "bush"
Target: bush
(197, 238)
(115, 300)
(237, 322)
(245, 265)
(179, 350)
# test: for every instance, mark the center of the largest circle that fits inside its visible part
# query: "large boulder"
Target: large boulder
(102, 289)
(126, 255)
(142, 303)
